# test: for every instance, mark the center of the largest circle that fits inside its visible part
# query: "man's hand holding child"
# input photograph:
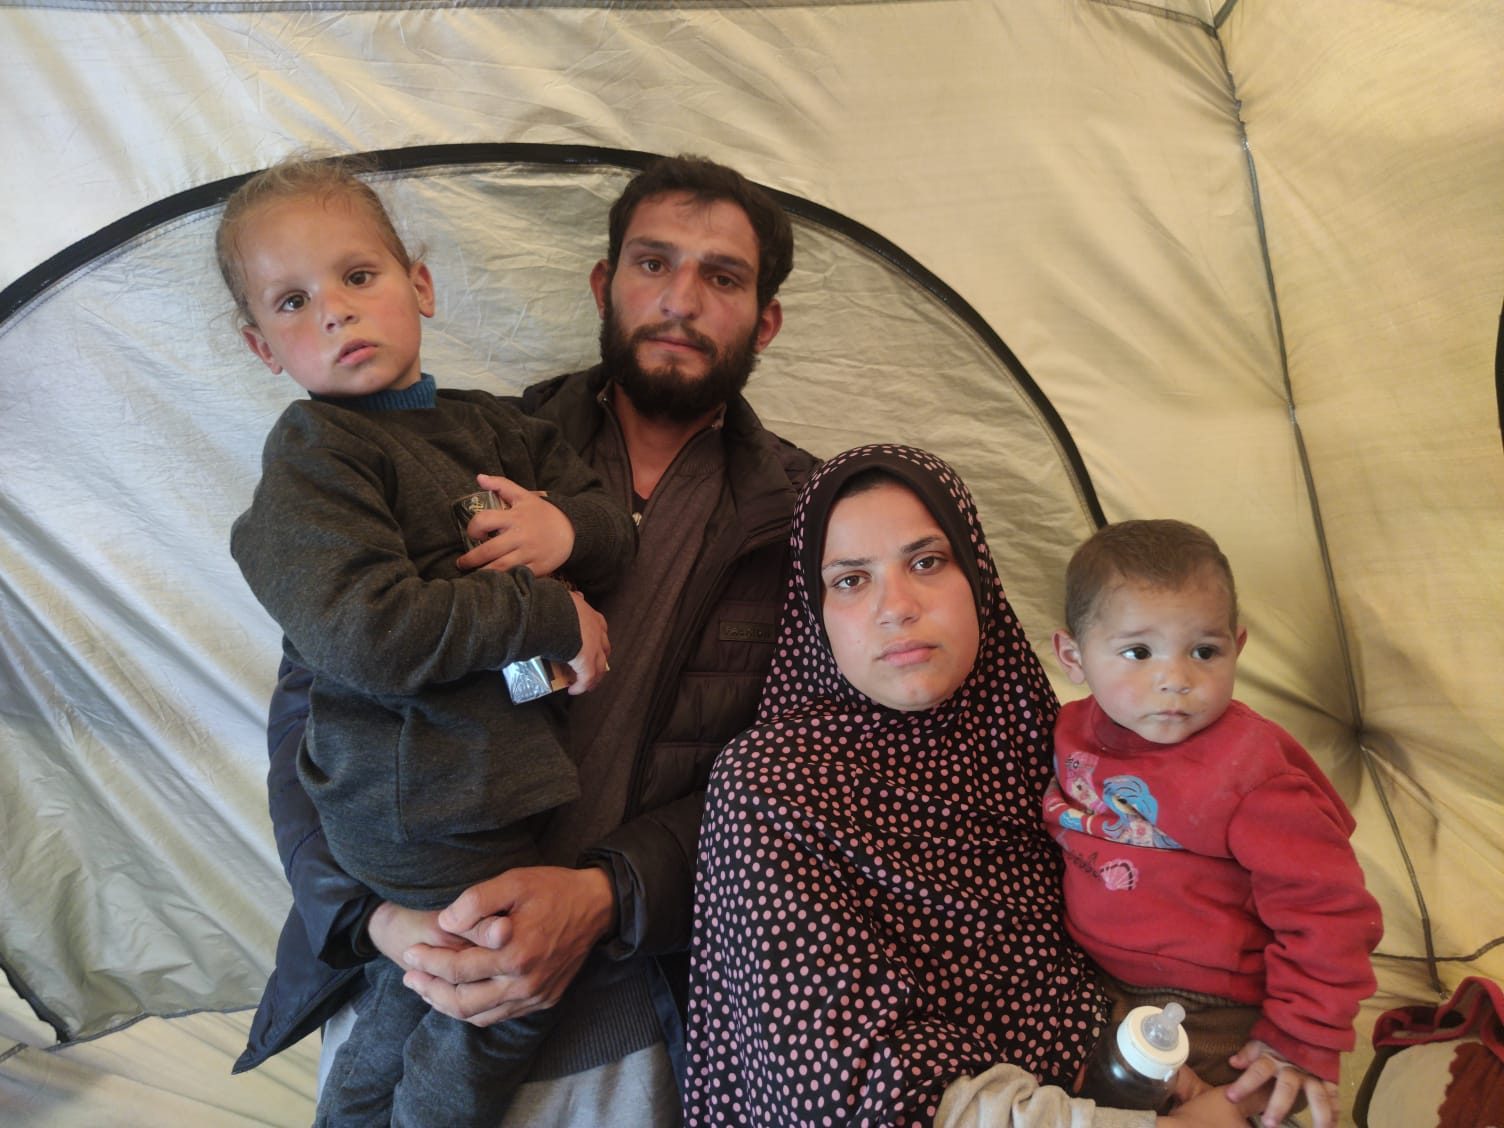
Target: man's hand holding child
(591, 663)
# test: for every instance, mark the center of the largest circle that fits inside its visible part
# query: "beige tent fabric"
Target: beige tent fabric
(1249, 251)
(1376, 158)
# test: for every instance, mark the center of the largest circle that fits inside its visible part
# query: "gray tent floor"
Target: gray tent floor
(177, 1072)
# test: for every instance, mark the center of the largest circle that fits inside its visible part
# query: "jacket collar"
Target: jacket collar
(764, 472)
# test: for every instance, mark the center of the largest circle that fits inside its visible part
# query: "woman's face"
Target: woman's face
(898, 608)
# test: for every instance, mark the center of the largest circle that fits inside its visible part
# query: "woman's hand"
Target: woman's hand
(1187, 1084)
(1210, 1108)
(1260, 1064)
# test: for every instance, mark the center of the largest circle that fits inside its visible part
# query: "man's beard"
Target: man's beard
(665, 393)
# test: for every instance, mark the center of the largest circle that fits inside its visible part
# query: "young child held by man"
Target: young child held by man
(1207, 856)
(426, 776)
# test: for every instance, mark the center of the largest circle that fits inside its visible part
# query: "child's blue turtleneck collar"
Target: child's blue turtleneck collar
(425, 393)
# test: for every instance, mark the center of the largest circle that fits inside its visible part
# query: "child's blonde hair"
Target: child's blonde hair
(1163, 554)
(324, 178)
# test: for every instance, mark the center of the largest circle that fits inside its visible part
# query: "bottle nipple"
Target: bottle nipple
(1162, 1030)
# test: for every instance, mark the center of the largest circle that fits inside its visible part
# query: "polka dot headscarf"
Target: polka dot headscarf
(878, 908)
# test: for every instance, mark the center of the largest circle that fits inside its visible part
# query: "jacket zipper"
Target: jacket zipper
(757, 539)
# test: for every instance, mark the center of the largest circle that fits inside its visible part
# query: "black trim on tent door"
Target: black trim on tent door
(38, 280)
(1499, 374)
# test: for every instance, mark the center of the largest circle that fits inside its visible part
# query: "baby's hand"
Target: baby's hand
(1260, 1064)
(531, 532)
(590, 664)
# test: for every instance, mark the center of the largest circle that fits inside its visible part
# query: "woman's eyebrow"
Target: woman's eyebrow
(846, 562)
(903, 550)
(925, 542)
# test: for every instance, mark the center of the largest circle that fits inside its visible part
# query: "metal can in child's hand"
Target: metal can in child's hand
(532, 678)
(464, 508)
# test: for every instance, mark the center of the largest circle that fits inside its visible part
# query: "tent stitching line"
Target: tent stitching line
(1159, 13)
(1370, 765)
(1318, 525)
(1466, 958)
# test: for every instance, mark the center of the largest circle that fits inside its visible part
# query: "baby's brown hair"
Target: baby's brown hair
(1161, 553)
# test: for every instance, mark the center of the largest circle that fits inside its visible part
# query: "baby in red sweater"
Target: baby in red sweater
(1207, 856)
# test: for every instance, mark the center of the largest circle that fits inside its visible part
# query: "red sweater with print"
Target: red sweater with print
(1219, 865)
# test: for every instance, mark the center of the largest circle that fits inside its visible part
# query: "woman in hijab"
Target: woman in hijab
(878, 920)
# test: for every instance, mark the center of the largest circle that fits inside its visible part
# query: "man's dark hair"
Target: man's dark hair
(708, 182)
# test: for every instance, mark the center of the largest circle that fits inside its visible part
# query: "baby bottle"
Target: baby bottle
(1135, 1068)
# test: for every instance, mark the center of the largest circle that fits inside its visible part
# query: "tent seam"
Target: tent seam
(1370, 765)
(1318, 525)
(1302, 453)
(1159, 12)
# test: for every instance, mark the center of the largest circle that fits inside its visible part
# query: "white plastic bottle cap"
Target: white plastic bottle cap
(1145, 1058)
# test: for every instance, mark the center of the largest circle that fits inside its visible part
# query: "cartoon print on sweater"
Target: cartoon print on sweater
(1124, 811)
(1136, 808)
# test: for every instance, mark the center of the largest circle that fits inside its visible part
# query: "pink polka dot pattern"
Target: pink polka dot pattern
(878, 907)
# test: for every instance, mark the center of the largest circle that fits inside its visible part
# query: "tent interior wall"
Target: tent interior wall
(1247, 251)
